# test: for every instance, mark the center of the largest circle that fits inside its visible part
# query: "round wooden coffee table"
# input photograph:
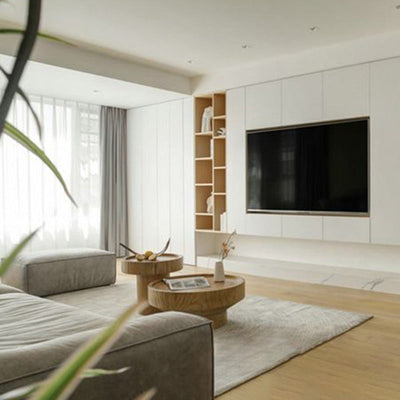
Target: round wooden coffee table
(211, 302)
(148, 271)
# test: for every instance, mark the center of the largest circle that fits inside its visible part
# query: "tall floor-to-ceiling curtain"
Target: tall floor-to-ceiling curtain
(29, 193)
(114, 212)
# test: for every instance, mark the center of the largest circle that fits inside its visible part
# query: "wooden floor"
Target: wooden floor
(361, 364)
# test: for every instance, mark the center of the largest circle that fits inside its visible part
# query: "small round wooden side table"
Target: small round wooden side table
(211, 302)
(148, 271)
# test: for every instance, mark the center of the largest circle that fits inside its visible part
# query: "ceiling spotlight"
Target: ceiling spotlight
(96, 91)
(314, 28)
(245, 46)
(189, 61)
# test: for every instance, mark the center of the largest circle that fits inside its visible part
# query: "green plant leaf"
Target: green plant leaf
(18, 136)
(5, 264)
(148, 395)
(94, 372)
(25, 391)
(28, 103)
(63, 381)
(24, 52)
(40, 34)
(20, 393)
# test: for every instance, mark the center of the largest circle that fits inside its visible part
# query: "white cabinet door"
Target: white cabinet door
(263, 105)
(264, 225)
(302, 227)
(161, 177)
(134, 177)
(346, 92)
(163, 173)
(346, 229)
(176, 173)
(385, 152)
(236, 160)
(302, 99)
(149, 178)
(188, 182)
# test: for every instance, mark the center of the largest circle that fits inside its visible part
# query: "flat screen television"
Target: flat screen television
(318, 168)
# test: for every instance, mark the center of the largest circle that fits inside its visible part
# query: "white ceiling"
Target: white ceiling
(209, 32)
(67, 84)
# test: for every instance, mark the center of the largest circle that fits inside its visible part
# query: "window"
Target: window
(30, 195)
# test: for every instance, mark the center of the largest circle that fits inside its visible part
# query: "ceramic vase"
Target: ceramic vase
(219, 273)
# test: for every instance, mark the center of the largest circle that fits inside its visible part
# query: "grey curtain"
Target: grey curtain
(114, 197)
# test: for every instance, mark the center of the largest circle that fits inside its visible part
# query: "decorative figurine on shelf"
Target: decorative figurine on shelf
(227, 246)
(210, 205)
(206, 119)
(221, 131)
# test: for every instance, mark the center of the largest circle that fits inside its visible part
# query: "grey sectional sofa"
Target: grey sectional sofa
(172, 352)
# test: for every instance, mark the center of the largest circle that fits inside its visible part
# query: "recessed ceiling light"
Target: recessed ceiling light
(245, 46)
(96, 91)
(314, 28)
(189, 61)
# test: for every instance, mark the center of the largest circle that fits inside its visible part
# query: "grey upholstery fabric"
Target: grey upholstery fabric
(170, 351)
(114, 192)
(8, 289)
(28, 320)
(43, 273)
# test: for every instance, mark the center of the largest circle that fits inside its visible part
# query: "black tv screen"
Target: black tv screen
(316, 168)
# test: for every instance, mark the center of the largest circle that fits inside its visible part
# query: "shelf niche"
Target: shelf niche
(203, 146)
(204, 222)
(202, 194)
(210, 162)
(204, 171)
(219, 153)
(200, 103)
(219, 181)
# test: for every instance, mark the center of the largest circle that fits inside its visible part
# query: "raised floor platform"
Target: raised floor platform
(378, 281)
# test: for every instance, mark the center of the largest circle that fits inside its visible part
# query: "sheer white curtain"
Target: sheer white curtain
(31, 196)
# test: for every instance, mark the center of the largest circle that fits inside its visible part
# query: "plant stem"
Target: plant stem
(24, 52)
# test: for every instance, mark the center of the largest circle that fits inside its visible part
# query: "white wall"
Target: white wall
(160, 141)
(160, 177)
(371, 89)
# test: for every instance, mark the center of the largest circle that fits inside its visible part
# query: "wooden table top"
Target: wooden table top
(219, 295)
(164, 264)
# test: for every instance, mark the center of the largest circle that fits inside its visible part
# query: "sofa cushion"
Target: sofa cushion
(43, 273)
(37, 335)
(27, 320)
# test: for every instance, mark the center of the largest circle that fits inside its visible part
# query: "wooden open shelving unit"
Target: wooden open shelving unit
(210, 162)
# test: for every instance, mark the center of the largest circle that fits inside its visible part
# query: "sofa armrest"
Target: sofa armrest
(176, 359)
(172, 352)
(4, 289)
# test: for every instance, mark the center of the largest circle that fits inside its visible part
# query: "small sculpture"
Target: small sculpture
(221, 132)
(206, 119)
(210, 205)
(148, 255)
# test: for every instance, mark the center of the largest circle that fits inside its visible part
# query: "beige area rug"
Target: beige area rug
(261, 333)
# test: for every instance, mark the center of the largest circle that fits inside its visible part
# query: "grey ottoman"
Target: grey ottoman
(43, 273)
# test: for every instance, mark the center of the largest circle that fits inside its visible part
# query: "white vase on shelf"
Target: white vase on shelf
(219, 273)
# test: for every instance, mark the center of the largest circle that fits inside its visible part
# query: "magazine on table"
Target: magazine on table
(197, 282)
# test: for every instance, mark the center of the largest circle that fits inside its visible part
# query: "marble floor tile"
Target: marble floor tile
(388, 285)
